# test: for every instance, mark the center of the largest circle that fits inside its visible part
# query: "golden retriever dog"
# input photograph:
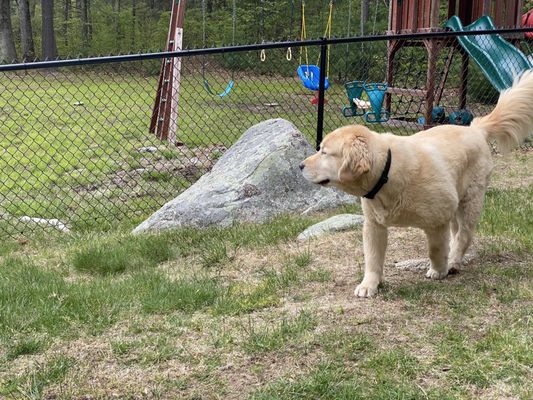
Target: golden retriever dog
(434, 180)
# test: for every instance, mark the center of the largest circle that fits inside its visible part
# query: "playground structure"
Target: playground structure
(165, 112)
(164, 121)
(418, 16)
(373, 100)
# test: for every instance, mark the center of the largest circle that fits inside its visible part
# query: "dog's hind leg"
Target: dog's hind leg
(374, 246)
(439, 245)
(467, 217)
(454, 228)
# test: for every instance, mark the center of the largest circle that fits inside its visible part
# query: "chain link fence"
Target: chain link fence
(76, 149)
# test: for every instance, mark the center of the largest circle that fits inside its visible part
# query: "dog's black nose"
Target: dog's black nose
(302, 166)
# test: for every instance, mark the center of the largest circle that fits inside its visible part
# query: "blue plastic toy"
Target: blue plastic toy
(310, 77)
(437, 116)
(461, 117)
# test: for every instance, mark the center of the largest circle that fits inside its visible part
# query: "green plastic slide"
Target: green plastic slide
(499, 60)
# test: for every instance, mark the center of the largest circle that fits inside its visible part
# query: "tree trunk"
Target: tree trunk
(66, 19)
(133, 17)
(26, 32)
(7, 44)
(89, 23)
(116, 11)
(84, 17)
(49, 36)
(365, 10)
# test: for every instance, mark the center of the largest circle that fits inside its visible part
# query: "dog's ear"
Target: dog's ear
(356, 159)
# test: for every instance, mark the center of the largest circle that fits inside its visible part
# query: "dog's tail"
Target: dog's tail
(511, 121)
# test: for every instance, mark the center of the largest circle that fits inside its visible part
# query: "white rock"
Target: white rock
(420, 264)
(148, 149)
(54, 223)
(337, 223)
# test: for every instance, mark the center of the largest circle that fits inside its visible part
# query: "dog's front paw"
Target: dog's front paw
(365, 290)
(433, 274)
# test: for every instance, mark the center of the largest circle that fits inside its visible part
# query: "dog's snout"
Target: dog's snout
(302, 166)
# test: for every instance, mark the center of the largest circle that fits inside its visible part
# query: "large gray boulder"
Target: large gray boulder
(256, 179)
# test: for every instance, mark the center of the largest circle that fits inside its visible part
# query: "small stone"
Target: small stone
(420, 264)
(338, 223)
(54, 223)
(148, 149)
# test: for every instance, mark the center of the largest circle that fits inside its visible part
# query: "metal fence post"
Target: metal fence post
(321, 92)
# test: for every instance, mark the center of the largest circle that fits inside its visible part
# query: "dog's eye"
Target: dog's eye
(323, 152)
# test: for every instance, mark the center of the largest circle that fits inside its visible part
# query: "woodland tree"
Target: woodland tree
(49, 37)
(7, 44)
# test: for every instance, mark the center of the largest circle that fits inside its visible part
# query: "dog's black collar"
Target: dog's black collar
(382, 180)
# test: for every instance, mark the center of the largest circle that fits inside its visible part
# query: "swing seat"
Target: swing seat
(222, 94)
(376, 95)
(310, 77)
(354, 90)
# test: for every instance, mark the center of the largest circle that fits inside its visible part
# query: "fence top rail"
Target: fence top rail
(252, 47)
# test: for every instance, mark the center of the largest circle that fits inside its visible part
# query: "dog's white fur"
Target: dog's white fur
(437, 178)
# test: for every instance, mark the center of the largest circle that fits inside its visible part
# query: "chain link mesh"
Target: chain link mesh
(76, 148)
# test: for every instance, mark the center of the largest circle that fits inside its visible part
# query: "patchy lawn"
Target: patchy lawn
(250, 312)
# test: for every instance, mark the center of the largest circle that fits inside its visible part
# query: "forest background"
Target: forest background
(50, 29)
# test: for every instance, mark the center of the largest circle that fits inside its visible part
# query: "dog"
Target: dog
(434, 180)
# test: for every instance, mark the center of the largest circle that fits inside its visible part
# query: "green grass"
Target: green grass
(215, 245)
(264, 339)
(499, 283)
(152, 351)
(331, 380)
(245, 298)
(122, 254)
(161, 295)
(248, 312)
(509, 214)
(29, 345)
(501, 353)
(36, 299)
(32, 385)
